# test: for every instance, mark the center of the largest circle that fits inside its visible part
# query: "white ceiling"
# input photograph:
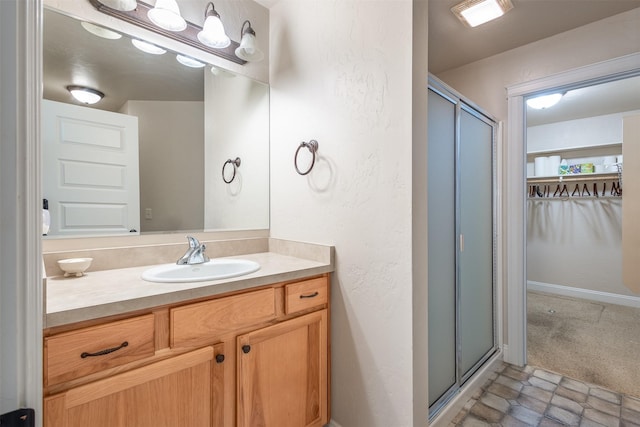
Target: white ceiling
(451, 44)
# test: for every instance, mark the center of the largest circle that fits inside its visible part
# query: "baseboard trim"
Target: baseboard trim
(333, 424)
(568, 291)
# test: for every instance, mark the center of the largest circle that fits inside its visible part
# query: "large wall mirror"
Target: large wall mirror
(186, 124)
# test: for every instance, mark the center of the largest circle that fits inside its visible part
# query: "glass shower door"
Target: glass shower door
(441, 247)
(461, 237)
(475, 252)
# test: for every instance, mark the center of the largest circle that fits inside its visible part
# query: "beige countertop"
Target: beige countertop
(110, 292)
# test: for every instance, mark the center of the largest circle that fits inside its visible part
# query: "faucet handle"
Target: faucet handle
(205, 258)
(193, 242)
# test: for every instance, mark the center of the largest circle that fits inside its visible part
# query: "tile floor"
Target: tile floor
(530, 396)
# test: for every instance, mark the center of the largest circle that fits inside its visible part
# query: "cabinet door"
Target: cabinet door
(173, 392)
(282, 374)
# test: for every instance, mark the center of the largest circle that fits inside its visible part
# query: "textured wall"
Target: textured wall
(341, 74)
(171, 145)
(236, 125)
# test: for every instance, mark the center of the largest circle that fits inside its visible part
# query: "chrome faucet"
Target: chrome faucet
(195, 254)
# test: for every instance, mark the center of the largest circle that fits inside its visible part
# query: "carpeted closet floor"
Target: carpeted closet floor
(590, 341)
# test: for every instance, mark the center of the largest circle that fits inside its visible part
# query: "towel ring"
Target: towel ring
(313, 147)
(236, 164)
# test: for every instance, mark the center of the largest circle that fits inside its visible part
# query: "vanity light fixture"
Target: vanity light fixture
(544, 101)
(189, 62)
(212, 33)
(99, 31)
(166, 14)
(476, 12)
(85, 95)
(140, 18)
(148, 47)
(248, 49)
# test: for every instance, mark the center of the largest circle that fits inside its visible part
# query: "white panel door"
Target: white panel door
(90, 170)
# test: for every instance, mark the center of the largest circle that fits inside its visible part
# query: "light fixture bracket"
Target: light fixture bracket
(210, 11)
(247, 30)
(189, 36)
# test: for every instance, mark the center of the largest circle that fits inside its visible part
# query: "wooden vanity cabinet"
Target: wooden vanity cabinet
(257, 357)
(172, 392)
(282, 374)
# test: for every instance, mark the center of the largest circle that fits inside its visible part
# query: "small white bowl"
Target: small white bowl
(74, 266)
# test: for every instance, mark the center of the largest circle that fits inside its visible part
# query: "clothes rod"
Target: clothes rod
(573, 178)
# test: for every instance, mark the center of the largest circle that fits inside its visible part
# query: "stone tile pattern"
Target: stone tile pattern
(532, 397)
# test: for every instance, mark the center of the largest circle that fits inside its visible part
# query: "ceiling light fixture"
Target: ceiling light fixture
(476, 12)
(212, 33)
(166, 14)
(99, 31)
(148, 47)
(84, 94)
(544, 101)
(248, 49)
(189, 62)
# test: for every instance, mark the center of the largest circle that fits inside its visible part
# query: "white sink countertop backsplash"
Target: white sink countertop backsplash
(121, 290)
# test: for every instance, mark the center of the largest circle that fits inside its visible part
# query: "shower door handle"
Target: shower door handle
(461, 242)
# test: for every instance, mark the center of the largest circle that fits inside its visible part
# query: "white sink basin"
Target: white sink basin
(211, 270)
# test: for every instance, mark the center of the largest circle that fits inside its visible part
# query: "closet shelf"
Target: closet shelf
(575, 148)
(591, 177)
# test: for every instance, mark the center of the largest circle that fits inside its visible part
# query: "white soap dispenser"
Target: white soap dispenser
(46, 217)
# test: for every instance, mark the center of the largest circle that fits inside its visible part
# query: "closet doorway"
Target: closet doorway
(582, 321)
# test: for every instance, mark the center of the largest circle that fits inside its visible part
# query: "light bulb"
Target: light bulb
(124, 5)
(166, 14)
(189, 62)
(85, 95)
(248, 50)
(544, 101)
(148, 47)
(213, 34)
(99, 31)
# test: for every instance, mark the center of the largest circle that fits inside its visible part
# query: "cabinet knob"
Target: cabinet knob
(246, 348)
(219, 358)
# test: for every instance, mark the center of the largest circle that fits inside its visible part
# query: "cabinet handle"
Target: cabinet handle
(315, 294)
(84, 355)
(219, 358)
(246, 348)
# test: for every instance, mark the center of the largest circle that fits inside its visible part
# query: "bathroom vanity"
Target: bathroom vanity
(246, 351)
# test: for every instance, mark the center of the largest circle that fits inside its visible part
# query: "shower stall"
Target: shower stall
(461, 242)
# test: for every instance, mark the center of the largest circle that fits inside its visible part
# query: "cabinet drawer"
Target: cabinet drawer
(197, 324)
(78, 353)
(304, 295)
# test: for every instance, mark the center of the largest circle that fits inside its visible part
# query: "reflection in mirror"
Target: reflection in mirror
(185, 121)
